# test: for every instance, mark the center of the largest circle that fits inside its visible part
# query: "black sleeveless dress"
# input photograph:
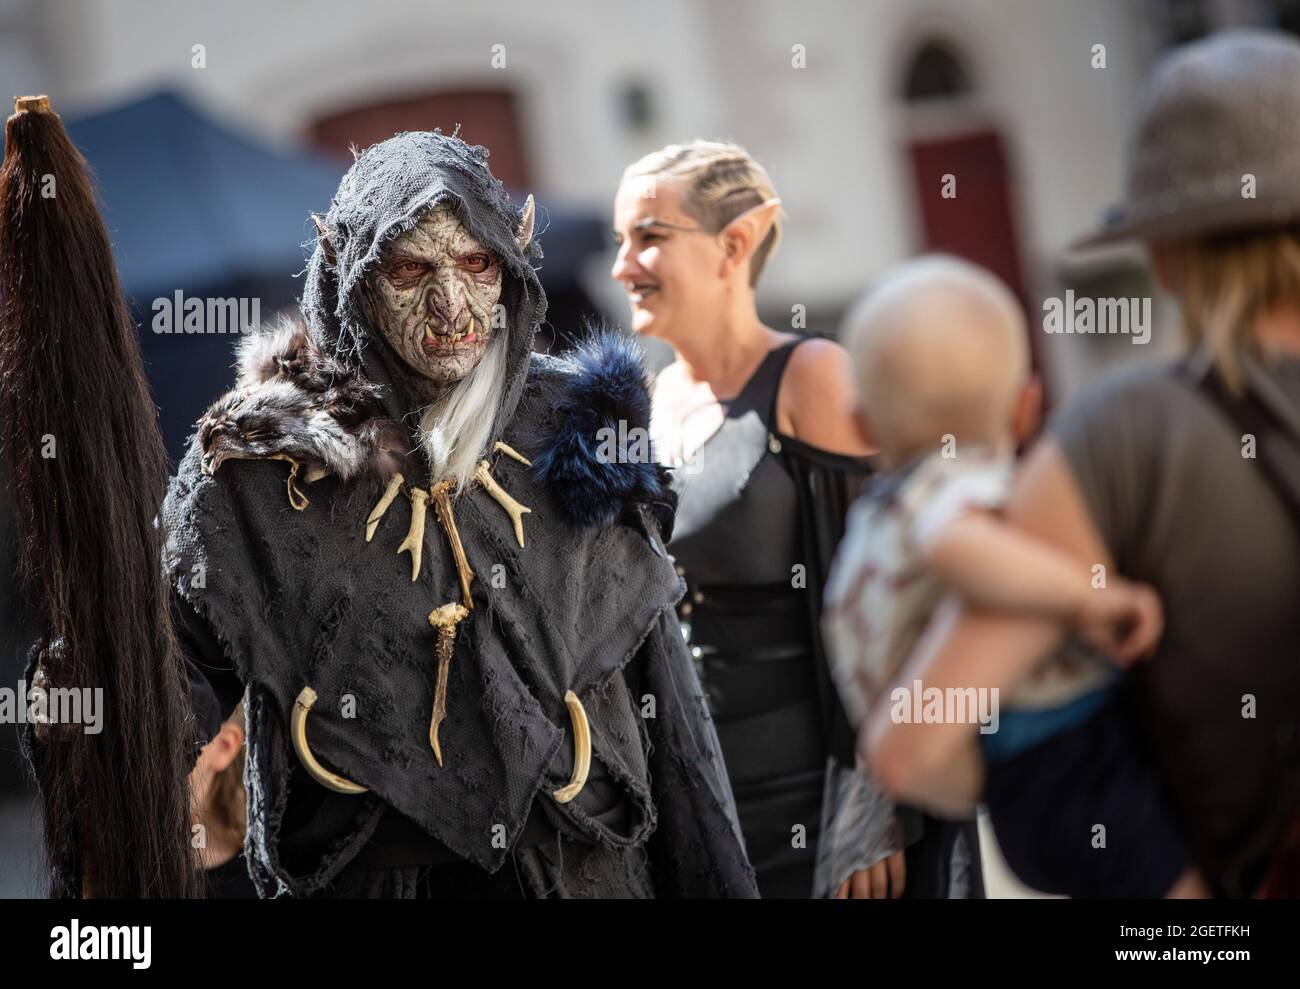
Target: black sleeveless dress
(738, 544)
(759, 516)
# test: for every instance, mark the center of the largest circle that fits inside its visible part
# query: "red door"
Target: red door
(978, 223)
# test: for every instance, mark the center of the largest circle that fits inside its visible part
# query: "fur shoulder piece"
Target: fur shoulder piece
(294, 402)
(598, 458)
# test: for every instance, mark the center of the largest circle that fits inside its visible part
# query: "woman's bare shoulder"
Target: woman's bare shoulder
(818, 397)
(817, 359)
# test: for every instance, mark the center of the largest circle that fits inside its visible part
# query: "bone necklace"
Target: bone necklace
(446, 617)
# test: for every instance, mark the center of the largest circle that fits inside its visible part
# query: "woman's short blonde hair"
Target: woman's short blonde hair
(720, 181)
(1224, 284)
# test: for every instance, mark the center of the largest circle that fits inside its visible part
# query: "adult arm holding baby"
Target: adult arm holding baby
(986, 642)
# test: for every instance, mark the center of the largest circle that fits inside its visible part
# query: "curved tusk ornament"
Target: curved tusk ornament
(581, 750)
(302, 706)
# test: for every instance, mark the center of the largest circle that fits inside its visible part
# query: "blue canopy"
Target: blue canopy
(192, 205)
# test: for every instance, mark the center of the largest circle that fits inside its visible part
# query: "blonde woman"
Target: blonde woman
(759, 425)
(1185, 476)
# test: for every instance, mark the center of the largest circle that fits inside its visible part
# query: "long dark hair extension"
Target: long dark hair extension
(88, 470)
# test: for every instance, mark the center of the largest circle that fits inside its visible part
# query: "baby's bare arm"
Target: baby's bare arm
(989, 564)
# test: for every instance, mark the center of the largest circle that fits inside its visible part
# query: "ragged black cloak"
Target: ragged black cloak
(299, 598)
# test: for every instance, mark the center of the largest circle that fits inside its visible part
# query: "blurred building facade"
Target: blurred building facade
(858, 109)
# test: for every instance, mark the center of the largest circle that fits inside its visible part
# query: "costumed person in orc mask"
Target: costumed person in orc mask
(419, 547)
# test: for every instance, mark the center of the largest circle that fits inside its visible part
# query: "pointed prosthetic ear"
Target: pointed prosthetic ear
(751, 226)
(323, 238)
(524, 232)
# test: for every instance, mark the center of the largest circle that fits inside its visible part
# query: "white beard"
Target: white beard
(456, 429)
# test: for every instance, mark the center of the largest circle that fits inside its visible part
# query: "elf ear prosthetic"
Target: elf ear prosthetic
(754, 224)
(524, 232)
(323, 238)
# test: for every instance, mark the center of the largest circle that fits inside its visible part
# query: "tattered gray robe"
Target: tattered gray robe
(299, 598)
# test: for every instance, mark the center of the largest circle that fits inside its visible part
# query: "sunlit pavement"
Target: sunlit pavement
(999, 883)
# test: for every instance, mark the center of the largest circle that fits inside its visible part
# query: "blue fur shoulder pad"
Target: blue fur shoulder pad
(598, 459)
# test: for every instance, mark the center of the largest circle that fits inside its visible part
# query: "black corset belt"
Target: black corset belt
(747, 622)
(752, 644)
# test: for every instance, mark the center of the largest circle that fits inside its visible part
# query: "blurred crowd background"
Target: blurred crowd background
(216, 129)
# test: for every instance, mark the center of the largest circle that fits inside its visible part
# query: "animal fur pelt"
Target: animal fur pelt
(600, 458)
(294, 401)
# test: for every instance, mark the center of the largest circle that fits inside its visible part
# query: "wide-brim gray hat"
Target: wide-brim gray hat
(1217, 143)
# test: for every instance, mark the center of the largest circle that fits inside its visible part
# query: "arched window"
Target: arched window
(936, 72)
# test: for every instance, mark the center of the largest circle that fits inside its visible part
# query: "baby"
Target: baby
(941, 358)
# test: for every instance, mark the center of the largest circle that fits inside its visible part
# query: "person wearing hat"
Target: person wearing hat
(1184, 475)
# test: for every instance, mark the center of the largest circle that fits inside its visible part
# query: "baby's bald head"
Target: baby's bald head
(938, 346)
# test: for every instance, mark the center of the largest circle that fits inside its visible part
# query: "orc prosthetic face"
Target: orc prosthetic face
(433, 296)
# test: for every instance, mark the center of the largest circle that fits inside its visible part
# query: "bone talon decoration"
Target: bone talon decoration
(510, 451)
(381, 506)
(445, 620)
(441, 493)
(483, 474)
(448, 616)
(581, 750)
(302, 706)
(414, 541)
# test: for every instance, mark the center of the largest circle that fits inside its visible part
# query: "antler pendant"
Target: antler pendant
(483, 474)
(445, 620)
(414, 541)
(442, 508)
(377, 513)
